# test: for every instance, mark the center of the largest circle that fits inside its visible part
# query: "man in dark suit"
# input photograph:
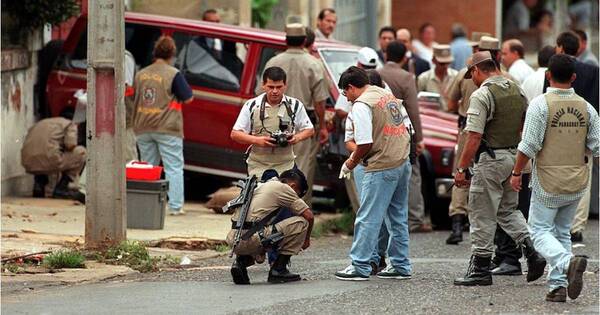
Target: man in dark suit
(586, 81)
(386, 35)
(414, 64)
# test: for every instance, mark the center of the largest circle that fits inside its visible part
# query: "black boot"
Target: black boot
(239, 271)
(279, 272)
(62, 191)
(535, 262)
(478, 272)
(457, 227)
(39, 186)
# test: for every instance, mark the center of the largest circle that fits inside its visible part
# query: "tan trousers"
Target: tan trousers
(294, 233)
(583, 208)
(493, 201)
(416, 205)
(130, 150)
(306, 160)
(459, 204)
(73, 162)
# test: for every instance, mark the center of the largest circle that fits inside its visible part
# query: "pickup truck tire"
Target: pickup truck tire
(437, 207)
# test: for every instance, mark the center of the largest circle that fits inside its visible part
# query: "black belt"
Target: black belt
(246, 226)
(505, 148)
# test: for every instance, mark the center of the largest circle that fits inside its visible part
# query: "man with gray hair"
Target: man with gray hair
(460, 47)
(513, 53)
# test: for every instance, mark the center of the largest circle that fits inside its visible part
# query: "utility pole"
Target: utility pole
(105, 211)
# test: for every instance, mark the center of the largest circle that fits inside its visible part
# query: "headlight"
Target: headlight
(447, 156)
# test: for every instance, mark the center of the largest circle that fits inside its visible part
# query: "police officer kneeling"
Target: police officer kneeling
(260, 232)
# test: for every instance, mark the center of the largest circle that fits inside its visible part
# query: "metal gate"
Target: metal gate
(357, 22)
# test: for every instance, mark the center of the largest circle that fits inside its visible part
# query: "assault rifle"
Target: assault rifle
(243, 200)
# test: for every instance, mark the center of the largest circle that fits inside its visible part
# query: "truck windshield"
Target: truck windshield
(337, 61)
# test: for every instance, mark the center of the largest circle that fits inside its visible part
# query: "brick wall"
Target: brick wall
(475, 15)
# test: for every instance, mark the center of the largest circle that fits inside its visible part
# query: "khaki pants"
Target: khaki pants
(73, 162)
(583, 208)
(416, 206)
(493, 201)
(294, 233)
(306, 160)
(459, 204)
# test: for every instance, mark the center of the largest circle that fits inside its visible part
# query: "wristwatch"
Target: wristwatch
(515, 174)
(461, 170)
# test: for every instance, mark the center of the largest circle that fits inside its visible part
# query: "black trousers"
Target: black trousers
(507, 250)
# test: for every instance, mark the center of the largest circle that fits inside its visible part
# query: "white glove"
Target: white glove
(345, 171)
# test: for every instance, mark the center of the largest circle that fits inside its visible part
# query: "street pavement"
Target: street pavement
(207, 289)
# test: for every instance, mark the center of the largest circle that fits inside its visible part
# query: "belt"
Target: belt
(246, 226)
(505, 148)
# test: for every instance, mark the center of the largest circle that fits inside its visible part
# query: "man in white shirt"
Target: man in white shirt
(262, 117)
(326, 21)
(534, 84)
(512, 58)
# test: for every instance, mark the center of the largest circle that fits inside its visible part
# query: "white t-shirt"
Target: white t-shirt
(363, 123)
(520, 70)
(534, 84)
(301, 121)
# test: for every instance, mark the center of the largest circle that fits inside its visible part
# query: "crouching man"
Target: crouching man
(261, 230)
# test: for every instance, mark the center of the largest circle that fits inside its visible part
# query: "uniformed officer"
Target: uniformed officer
(559, 128)
(306, 82)
(438, 79)
(51, 147)
(287, 237)
(494, 121)
(265, 117)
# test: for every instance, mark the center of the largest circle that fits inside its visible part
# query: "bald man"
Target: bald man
(414, 64)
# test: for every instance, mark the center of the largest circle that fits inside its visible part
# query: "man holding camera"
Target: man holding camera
(271, 123)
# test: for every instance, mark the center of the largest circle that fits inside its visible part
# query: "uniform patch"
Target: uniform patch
(394, 109)
(149, 96)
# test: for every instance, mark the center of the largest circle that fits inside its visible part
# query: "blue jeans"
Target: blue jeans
(384, 235)
(156, 146)
(550, 231)
(383, 197)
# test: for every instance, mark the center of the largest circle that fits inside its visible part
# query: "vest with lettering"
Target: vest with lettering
(263, 158)
(560, 164)
(391, 141)
(504, 129)
(156, 109)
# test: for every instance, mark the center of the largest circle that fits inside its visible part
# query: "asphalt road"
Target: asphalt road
(208, 289)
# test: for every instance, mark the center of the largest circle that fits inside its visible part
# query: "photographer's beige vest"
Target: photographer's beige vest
(278, 158)
(560, 165)
(391, 141)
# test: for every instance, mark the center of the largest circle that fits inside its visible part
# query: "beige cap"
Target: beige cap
(476, 36)
(489, 43)
(295, 30)
(476, 59)
(442, 53)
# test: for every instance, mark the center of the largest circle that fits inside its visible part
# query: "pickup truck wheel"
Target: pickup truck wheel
(437, 207)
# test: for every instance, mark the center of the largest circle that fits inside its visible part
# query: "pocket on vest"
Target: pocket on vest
(564, 179)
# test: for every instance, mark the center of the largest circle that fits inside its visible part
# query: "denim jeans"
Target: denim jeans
(383, 197)
(156, 146)
(384, 235)
(550, 231)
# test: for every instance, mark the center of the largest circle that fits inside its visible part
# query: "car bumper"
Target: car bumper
(443, 187)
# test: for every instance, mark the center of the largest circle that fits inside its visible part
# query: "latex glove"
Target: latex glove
(345, 171)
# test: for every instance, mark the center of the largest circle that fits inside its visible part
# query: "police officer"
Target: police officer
(307, 83)
(50, 147)
(288, 236)
(494, 121)
(265, 117)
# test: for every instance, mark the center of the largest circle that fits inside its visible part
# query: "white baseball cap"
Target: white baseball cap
(367, 57)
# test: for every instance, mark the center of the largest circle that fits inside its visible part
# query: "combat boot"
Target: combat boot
(62, 191)
(457, 227)
(535, 262)
(279, 272)
(478, 273)
(39, 186)
(239, 271)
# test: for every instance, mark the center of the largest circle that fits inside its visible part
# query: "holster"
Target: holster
(462, 122)
(483, 147)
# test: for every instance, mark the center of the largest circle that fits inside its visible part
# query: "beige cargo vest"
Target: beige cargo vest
(391, 141)
(262, 158)
(560, 165)
(156, 109)
(45, 143)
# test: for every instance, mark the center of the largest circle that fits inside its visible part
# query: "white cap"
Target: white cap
(367, 57)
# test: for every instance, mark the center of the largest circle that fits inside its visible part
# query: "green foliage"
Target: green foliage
(135, 255)
(11, 267)
(343, 225)
(64, 259)
(33, 14)
(221, 248)
(261, 12)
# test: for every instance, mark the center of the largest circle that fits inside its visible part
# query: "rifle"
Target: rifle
(244, 200)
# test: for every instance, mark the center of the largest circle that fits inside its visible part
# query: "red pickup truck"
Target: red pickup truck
(222, 85)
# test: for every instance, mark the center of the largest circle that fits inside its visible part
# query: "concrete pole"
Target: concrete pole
(105, 212)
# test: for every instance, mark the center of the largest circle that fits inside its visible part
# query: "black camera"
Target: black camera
(280, 138)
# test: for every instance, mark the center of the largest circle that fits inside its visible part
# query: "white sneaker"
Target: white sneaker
(391, 273)
(176, 212)
(350, 274)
